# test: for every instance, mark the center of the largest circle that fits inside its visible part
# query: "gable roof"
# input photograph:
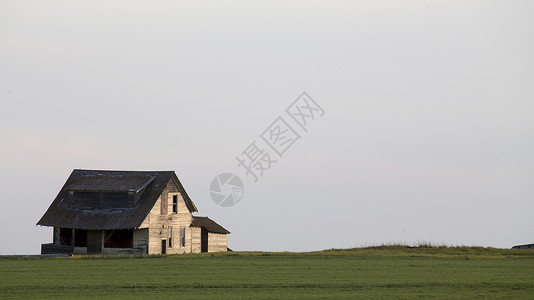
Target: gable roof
(208, 224)
(146, 186)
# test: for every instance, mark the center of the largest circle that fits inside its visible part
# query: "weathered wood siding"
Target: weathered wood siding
(80, 250)
(56, 236)
(140, 239)
(158, 224)
(195, 237)
(217, 242)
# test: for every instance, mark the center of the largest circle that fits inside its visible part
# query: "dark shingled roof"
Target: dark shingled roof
(150, 185)
(119, 182)
(208, 224)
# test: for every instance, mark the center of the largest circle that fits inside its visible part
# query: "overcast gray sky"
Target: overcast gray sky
(427, 136)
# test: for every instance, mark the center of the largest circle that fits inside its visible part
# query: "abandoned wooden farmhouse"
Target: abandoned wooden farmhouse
(130, 212)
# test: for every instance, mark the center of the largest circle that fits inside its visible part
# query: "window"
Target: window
(175, 204)
(182, 236)
(170, 237)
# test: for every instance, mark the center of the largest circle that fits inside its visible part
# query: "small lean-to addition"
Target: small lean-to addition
(128, 212)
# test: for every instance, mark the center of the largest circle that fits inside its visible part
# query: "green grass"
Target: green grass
(392, 271)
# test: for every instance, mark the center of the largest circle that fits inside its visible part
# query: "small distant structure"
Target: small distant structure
(128, 212)
(527, 246)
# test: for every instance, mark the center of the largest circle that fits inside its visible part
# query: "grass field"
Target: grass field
(393, 272)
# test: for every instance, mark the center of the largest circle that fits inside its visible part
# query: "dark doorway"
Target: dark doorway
(203, 240)
(65, 236)
(80, 238)
(163, 246)
(94, 241)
